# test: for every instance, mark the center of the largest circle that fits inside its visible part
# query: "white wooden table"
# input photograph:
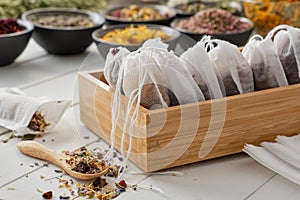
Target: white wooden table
(38, 73)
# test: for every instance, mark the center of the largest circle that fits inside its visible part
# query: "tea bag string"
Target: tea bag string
(294, 34)
(136, 98)
(208, 43)
(275, 30)
(132, 100)
(114, 116)
(256, 37)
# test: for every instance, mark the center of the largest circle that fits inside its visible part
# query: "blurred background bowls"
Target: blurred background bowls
(58, 39)
(13, 44)
(190, 8)
(267, 15)
(104, 46)
(113, 15)
(239, 38)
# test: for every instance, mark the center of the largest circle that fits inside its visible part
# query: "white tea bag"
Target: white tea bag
(232, 69)
(154, 65)
(201, 68)
(112, 64)
(17, 110)
(287, 41)
(262, 57)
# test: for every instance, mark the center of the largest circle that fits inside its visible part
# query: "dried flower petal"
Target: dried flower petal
(47, 195)
(64, 197)
(9, 26)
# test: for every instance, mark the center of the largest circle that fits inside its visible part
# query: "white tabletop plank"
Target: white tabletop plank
(31, 52)
(277, 188)
(39, 70)
(232, 178)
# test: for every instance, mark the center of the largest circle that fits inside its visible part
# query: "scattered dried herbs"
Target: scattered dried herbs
(10, 136)
(122, 185)
(64, 197)
(10, 188)
(38, 122)
(47, 195)
(10, 26)
(98, 189)
(58, 171)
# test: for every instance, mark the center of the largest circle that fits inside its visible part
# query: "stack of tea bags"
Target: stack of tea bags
(282, 156)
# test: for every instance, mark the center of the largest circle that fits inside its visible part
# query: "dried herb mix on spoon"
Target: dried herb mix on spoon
(84, 161)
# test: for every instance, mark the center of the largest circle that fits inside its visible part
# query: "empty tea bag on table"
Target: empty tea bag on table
(17, 110)
(271, 161)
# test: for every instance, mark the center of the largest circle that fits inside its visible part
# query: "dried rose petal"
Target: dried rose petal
(47, 195)
(122, 184)
(9, 26)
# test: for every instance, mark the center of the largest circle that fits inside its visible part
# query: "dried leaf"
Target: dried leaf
(40, 191)
(69, 187)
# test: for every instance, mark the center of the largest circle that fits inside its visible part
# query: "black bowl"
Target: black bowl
(233, 7)
(168, 12)
(239, 39)
(104, 46)
(13, 44)
(63, 40)
(184, 13)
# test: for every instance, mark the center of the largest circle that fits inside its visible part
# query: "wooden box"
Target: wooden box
(189, 133)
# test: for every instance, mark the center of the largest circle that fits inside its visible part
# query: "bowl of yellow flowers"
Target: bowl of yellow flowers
(132, 36)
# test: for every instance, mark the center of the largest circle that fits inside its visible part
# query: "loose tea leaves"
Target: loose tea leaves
(62, 20)
(84, 161)
(38, 122)
(99, 189)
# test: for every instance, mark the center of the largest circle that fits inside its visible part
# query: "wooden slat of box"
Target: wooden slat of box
(174, 136)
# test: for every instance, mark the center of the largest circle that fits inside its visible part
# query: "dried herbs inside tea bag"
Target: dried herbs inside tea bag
(161, 75)
(287, 42)
(38, 122)
(201, 68)
(262, 56)
(233, 71)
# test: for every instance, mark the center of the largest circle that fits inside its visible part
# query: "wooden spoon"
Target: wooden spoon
(36, 150)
